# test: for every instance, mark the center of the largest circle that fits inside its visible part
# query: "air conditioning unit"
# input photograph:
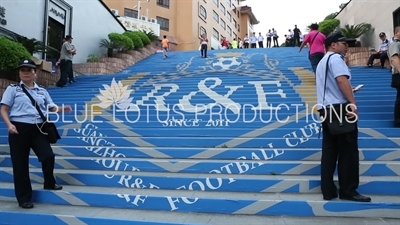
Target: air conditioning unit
(144, 18)
(115, 12)
(153, 20)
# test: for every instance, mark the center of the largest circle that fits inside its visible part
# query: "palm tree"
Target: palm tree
(355, 31)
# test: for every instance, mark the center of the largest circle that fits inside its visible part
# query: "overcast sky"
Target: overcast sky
(284, 14)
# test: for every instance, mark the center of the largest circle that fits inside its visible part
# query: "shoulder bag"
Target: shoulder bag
(47, 128)
(335, 115)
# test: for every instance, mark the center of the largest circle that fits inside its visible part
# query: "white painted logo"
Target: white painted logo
(116, 94)
(225, 66)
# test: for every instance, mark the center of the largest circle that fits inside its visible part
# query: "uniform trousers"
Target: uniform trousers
(29, 137)
(343, 150)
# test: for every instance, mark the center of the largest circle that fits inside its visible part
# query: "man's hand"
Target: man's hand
(352, 112)
(12, 129)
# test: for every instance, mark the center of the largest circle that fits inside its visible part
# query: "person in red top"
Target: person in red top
(224, 43)
(204, 46)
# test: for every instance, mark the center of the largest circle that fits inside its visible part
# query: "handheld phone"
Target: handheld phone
(359, 87)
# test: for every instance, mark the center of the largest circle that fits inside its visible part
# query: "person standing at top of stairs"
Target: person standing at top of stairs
(394, 55)
(334, 92)
(67, 55)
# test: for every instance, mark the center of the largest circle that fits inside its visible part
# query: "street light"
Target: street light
(138, 8)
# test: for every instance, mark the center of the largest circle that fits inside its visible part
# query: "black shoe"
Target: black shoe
(26, 205)
(56, 187)
(328, 198)
(61, 86)
(356, 198)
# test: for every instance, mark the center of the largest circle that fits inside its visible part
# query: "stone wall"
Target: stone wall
(359, 56)
(44, 78)
(120, 61)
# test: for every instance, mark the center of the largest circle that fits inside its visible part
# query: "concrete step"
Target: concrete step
(212, 142)
(212, 202)
(240, 166)
(375, 185)
(11, 214)
(224, 153)
(199, 132)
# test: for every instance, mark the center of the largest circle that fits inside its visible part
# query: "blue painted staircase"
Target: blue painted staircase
(230, 139)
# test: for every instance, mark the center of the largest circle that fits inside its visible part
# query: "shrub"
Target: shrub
(328, 26)
(145, 39)
(121, 41)
(137, 41)
(11, 53)
(152, 36)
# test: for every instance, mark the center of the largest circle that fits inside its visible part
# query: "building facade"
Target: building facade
(50, 21)
(185, 21)
(382, 15)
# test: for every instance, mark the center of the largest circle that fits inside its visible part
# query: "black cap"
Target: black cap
(68, 37)
(382, 34)
(26, 63)
(335, 37)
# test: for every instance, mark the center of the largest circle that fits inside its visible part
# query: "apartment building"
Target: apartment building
(184, 21)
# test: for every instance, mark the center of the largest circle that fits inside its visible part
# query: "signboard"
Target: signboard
(57, 13)
(140, 25)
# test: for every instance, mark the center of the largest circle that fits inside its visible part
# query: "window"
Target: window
(229, 31)
(216, 3)
(163, 3)
(130, 13)
(228, 2)
(229, 17)
(235, 35)
(202, 12)
(234, 23)
(215, 16)
(223, 24)
(222, 7)
(238, 27)
(202, 31)
(396, 18)
(215, 34)
(164, 23)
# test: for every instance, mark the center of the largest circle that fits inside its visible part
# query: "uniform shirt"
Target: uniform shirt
(269, 34)
(337, 67)
(64, 51)
(260, 38)
(384, 45)
(275, 33)
(394, 49)
(21, 108)
(254, 39)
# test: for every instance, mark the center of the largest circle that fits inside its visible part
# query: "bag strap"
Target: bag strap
(326, 78)
(312, 41)
(34, 103)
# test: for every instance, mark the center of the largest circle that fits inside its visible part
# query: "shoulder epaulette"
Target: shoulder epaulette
(14, 85)
(41, 86)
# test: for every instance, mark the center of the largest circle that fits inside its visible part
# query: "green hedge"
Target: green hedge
(145, 39)
(135, 38)
(11, 53)
(121, 41)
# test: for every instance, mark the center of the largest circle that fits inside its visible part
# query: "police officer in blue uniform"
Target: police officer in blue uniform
(22, 120)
